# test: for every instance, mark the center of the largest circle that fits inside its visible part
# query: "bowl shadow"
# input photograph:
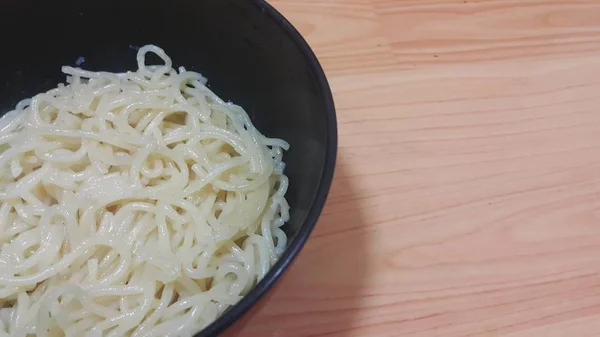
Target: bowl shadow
(320, 293)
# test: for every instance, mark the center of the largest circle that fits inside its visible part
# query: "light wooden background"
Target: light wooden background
(466, 200)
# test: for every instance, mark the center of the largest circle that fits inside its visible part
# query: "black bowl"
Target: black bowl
(250, 54)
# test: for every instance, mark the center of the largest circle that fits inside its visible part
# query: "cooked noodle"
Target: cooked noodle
(133, 204)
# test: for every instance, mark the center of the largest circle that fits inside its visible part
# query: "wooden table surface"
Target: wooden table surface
(466, 200)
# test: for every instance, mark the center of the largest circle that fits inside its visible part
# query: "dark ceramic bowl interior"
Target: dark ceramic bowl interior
(250, 54)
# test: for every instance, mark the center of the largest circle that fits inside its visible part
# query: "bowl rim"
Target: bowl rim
(290, 253)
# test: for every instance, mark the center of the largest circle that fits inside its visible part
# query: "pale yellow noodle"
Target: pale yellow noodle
(133, 204)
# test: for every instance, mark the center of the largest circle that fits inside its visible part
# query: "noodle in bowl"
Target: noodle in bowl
(133, 204)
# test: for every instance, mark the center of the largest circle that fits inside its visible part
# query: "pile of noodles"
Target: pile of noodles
(133, 204)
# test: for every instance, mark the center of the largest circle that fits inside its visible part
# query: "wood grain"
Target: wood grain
(466, 200)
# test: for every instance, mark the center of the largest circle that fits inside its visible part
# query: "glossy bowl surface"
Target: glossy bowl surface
(250, 54)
